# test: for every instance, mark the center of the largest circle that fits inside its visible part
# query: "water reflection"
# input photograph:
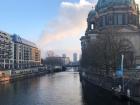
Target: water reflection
(93, 95)
(54, 89)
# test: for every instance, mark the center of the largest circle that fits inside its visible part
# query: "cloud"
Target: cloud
(77, 5)
(138, 1)
(70, 22)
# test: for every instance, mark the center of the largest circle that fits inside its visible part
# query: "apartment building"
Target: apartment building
(26, 53)
(6, 51)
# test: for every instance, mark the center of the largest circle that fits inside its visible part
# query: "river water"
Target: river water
(54, 89)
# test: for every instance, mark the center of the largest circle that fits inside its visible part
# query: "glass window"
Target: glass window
(120, 19)
(115, 19)
(130, 19)
(134, 20)
(92, 26)
(104, 23)
(125, 19)
(106, 20)
(110, 20)
(101, 21)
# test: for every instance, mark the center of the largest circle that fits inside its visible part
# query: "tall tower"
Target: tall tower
(75, 57)
(64, 55)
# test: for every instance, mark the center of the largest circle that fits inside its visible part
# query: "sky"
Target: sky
(55, 25)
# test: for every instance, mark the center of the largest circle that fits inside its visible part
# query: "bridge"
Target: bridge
(77, 64)
(75, 67)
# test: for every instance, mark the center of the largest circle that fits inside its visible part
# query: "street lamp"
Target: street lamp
(122, 62)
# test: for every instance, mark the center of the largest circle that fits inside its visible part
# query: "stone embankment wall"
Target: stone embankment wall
(131, 81)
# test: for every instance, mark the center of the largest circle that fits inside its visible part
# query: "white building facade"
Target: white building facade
(6, 51)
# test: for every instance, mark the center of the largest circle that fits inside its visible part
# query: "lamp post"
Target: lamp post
(122, 62)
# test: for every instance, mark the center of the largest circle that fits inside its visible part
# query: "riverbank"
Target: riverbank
(61, 88)
(106, 83)
(12, 75)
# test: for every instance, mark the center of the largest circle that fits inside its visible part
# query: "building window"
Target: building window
(110, 19)
(134, 20)
(130, 19)
(104, 21)
(125, 19)
(120, 19)
(92, 26)
(101, 21)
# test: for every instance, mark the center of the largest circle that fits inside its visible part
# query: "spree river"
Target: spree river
(62, 88)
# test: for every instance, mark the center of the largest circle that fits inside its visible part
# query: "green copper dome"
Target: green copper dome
(91, 15)
(106, 3)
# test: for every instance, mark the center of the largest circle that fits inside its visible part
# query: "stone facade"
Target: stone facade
(119, 16)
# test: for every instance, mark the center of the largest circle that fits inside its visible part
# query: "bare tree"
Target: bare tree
(104, 53)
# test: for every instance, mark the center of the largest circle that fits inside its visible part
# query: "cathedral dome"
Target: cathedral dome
(91, 15)
(106, 3)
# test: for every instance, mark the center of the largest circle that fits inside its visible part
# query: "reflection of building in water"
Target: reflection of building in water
(118, 16)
